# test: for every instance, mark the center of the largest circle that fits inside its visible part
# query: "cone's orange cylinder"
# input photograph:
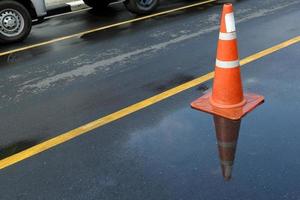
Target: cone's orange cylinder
(225, 94)
(227, 50)
(227, 98)
(227, 87)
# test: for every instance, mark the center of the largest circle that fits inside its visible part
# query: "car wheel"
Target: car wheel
(15, 22)
(141, 7)
(97, 4)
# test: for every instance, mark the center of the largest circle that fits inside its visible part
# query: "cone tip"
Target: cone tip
(228, 7)
(228, 4)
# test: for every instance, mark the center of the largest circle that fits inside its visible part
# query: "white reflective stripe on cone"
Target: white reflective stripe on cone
(227, 64)
(227, 36)
(230, 22)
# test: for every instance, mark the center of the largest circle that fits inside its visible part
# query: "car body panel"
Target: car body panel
(39, 7)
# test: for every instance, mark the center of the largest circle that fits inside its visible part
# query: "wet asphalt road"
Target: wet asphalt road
(166, 151)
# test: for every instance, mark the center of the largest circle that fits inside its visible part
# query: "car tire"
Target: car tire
(15, 22)
(141, 7)
(97, 4)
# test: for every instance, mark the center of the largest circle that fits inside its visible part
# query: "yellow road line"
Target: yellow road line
(105, 27)
(130, 109)
(270, 50)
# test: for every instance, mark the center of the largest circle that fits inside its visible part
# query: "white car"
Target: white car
(16, 15)
(140, 7)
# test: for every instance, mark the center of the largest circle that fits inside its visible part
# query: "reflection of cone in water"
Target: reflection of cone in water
(227, 132)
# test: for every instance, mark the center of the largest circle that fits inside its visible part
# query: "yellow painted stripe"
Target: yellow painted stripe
(129, 110)
(270, 50)
(105, 27)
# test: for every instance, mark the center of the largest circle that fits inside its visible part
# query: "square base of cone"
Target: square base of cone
(203, 104)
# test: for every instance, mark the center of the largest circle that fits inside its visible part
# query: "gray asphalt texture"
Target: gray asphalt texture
(168, 150)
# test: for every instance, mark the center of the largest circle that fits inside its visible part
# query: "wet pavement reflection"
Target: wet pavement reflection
(227, 134)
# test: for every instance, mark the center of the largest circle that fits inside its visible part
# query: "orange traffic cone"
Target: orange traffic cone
(227, 98)
(227, 133)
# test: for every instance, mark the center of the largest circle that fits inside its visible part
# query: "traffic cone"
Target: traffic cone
(227, 133)
(227, 98)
